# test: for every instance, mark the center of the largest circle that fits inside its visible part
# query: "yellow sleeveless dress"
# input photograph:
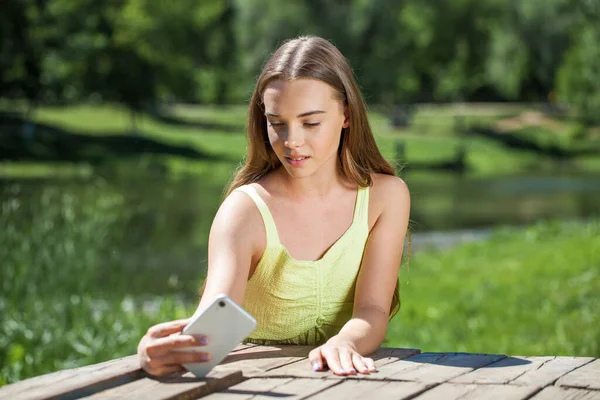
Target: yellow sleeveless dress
(304, 302)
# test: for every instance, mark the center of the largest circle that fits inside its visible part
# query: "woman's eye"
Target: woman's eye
(274, 124)
(312, 124)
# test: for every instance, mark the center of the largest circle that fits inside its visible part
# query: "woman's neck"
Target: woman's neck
(320, 185)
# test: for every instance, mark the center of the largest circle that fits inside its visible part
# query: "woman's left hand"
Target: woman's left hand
(341, 357)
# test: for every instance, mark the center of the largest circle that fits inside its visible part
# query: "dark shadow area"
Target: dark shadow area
(458, 165)
(50, 144)
(469, 360)
(514, 141)
(205, 125)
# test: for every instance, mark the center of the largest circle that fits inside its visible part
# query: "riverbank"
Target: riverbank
(480, 139)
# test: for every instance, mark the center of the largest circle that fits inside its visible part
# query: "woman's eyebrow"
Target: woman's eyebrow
(304, 114)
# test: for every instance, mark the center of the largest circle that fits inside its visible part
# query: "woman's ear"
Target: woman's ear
(346, 117)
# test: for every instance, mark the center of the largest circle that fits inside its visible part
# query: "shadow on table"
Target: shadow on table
(467, 360)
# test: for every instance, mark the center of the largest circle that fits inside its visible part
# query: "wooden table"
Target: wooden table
(283, 372)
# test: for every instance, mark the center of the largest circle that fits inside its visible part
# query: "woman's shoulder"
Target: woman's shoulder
(238, 212)
(388, 191)
(386, 186)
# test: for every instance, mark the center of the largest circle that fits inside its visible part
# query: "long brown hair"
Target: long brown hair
(313, 57)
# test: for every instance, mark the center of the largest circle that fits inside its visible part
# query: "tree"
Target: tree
(20, 50)
(527, 42)
(577, 79)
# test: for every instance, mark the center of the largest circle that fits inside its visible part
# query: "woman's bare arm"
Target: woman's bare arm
(233, 244)
(375, 285)
(379, 270)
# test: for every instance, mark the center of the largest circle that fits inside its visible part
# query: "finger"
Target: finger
(346, 361)
(316, 359)
(158, 347)
(332, 358)
(184, 357)
(360, 364)
(167, 328)
(370, 364)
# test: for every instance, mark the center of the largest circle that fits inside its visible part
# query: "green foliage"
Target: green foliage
(578, 77)
(138, 52)
(527, 45)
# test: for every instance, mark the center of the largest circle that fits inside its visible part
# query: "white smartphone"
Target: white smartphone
(225, 324)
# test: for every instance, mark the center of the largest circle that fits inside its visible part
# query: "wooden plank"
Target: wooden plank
(269, 388)
(181, 386)
(13, 389)
(455, 391)
(389, 369)
(356, 389)
(303, 368)
(77, 382)
(428, 369)
(586, 377)
(247, 389)
(297, 389)
(548, 373)
(233, 370)
(400, 390)
(257, 360)
(243, 346)
(525, 371)
(564, 393)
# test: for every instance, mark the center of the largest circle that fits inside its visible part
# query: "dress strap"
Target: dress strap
(361, 212)
(267, 217)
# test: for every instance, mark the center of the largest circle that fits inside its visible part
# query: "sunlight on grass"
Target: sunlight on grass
(524, 292)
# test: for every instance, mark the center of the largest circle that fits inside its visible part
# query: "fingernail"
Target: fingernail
(203, 340)
(352, 370)
(316, 367)
(342, 371)
(204, 357)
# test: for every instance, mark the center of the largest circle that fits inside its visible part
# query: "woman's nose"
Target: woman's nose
(295, 138)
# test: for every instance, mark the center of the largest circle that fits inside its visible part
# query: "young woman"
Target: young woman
(310, 236)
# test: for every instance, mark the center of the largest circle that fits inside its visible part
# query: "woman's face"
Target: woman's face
(304, 123)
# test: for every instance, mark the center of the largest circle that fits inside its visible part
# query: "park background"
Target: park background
(121, 122)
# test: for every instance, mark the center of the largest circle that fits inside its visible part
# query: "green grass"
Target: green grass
(529, 292)
(66, 294)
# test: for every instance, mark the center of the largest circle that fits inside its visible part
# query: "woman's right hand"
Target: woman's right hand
(156, 350)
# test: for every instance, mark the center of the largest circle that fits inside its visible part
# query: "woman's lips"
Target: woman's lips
(297, 161)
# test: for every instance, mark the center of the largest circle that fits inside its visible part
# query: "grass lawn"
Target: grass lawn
(522, 292)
